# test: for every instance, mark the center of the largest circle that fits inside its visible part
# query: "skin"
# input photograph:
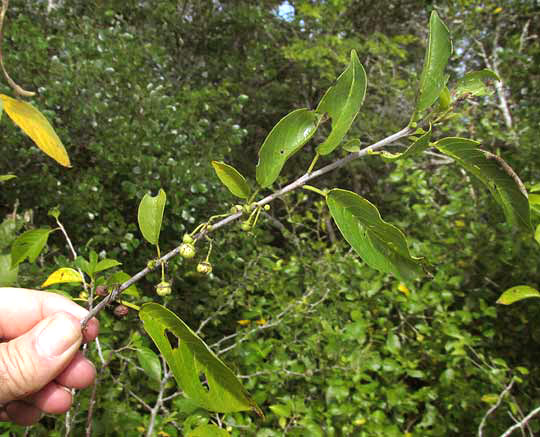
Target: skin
(40, 361)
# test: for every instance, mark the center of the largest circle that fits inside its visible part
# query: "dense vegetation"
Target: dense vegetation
(145, 94)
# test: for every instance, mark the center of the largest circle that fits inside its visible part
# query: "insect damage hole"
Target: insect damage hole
(173, 339)
(204, 381)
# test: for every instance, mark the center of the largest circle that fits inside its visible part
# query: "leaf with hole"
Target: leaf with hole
(286, 138)
(433, 79)
(381, 245)
(202, 376)
(517, 293)
(150, 216)
(342, 102)
(29, 245)
(62, 276)
(503, 183)
(149, 361)
(417, 147)
(232, 179)
(473, 84)
(208, 430)
(34, 124)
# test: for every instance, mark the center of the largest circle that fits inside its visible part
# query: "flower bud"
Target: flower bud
(187, 250)
(121, 310)
(101, 290)
(163, 288)
(204, 267)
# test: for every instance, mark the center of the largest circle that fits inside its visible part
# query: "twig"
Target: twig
(493, 408)
(521, 424)
(159, 401)
(298, 183)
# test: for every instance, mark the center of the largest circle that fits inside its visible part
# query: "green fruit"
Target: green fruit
(187, 250)
(188, 239)
(204, 267)
(163, 288)
(245, 226)
(267, 207)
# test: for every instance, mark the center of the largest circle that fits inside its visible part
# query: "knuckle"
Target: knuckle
(16, 370)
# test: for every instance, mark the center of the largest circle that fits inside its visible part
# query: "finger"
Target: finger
(22, 309)
(30, 361)
(80, 373)
(52, 399)
(21, 413)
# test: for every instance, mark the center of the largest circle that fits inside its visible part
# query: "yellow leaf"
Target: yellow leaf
(497, 10)
(360, 422)
(65, 274)
(459, 223)
(403, 288)
(261, 322)
(243, 322)
(35, 125)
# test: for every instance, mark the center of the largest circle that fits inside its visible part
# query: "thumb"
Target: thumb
(31, 361)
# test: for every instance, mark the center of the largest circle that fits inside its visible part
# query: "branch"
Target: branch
(298, 183)
(521, 424)
(493, 408)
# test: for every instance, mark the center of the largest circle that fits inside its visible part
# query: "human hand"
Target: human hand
(40, 335)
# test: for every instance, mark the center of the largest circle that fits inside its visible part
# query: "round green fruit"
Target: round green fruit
(188, 239)
(204, 267)
(187, 250)
(163, 288)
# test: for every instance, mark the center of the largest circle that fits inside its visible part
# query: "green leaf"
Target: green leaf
(535, 188)
(285, 139)
(121, 277)
(380, 244)
(433, 80)
(281, 410)
(496, 174)
(472, 84)
(342, 103)
(192, 361)
(29, 245)
(106, 264)
(8, 274)
(517, 293)
(232, 179)
(415, 148)
(150, 216)
(537, 234)
(208, 430)
(149, 361)
(352, 145)
(6, 177)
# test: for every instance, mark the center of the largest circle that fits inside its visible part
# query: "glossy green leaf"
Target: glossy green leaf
(417, 147)
(149, 361)
(285, 139)
(29, 245)
(6, 177)
(8, 274)
(193, 362)
(473, 84)
(150, 216)
(433, 79)
(106, 264)
(208, 430)
(381, 245)
(342, 103)
(496, 174)
(232, 179)
(517, 293)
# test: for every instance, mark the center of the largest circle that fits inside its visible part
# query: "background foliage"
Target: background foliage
(145, 94)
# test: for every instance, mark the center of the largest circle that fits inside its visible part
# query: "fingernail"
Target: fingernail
(58, 336)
